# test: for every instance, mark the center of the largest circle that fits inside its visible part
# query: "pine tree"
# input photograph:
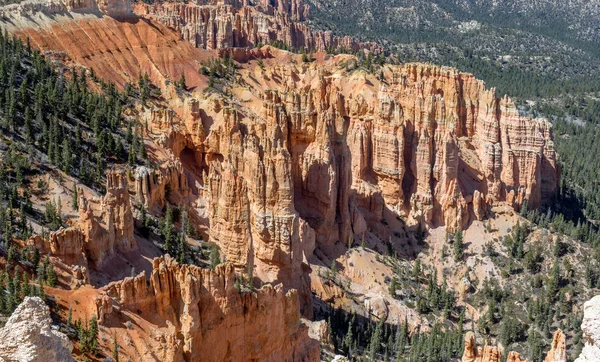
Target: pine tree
(115, 352)
(214, 257)
(66, 156)
(458, 245)
(182, 84)
(92, 335)
(75, 198)
(181, 250)
(51, 278)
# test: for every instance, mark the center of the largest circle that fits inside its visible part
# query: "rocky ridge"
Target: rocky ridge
(219, 25)
(207, 318)
(29, 336)
(35, 7)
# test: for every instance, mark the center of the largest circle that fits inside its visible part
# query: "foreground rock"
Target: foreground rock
(28, 335)
(591, 331)
(194, 314)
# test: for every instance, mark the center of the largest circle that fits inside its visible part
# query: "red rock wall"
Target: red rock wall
(207, 319)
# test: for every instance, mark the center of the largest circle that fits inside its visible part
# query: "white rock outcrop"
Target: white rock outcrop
(28, 335)
(591, 331)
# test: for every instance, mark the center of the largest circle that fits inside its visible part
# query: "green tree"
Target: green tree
(115, 351)
(214, 257)
(458, 245)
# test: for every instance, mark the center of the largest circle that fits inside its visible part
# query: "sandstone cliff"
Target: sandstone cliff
(312, 154)
(220, 26)
(591, 331)
(28, 335)
(151, 187)
(107, 223)
(197, 314)
(338, 150)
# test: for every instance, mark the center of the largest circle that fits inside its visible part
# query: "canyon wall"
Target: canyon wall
(198, 315)
(339, 151)
(314, 154)
(219, 26)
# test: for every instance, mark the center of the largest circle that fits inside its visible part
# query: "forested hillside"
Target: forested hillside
(527, 50)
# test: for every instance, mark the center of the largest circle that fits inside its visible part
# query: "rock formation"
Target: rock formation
(472, 353)
(220, 26)
(558, 348)
(117, 8)
(591, 331)
(151, 187)
(428, 143)
(107, 223)
(204, 317)
(29, 336)
(316, 154)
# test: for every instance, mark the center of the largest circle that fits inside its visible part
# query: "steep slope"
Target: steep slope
(119, 47)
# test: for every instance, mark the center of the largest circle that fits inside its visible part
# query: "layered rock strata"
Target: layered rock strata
(340, 150)
(220, 26)
(314, 154)
(28, 335)
(206, 318)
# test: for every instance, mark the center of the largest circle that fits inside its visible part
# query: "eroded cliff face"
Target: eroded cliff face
(193, 314)
(307, 154)
(218, 25)
(313, 144)
(105, 226)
